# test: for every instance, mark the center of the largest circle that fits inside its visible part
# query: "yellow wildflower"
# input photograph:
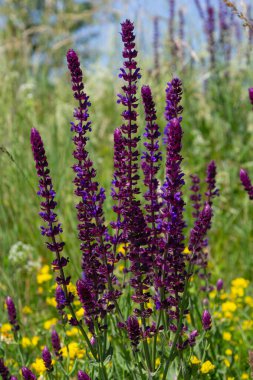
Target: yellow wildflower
(207, 367)
(73, 332)
(157, 362)
(6, 332)
(25, 342)
(249, 301)
(230, 378)
(228, 352)
(44, 275)
(237, 292)
(35, 340)
(245, 376)
(194, 360)
(80, 313)
(49, 323)
(236, 357)
(51, 301)
(247, 325)
(72, 288)
(73, 351)
(228, 306)
(240, 283)
(227, 363)
(212, 294)
(39, 366)
(227, 336)
(26, 310)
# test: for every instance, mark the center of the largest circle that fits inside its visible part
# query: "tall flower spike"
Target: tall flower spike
(172, 223)
(56, 344)
(96, 251)
(82, 376)
(201, 226)
(4, 371)
(47, 359)
(134, 331)
(206, 320)
(251, 95)
(48, 204)
(27, 374)
(246, 182)
(132, 220)
(12, 314)
(130, 73)
(195, 196)
(150, 164)
(212, 191)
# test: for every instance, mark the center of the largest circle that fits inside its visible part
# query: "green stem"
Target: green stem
(182, 307)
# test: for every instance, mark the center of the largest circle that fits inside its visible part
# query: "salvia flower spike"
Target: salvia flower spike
(171, 219)
(246, 182)
(97, 277)
(4, 371)
(12, 314)
(27, 374)
(52, 229)
(56, 343)
(82, 376)
(206, 320)
(47, 359)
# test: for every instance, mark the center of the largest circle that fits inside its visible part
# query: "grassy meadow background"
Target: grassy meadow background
(35, 91)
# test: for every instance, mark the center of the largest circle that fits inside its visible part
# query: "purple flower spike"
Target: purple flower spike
(47, 359)
(212, 191)
(48, 204)
(27, 374)
(82, 376)
(195, 196)
(96, 250)
(246, 182)
(12, 314)
(206, 320)
(201, 226)
(251, 95)
(192, 337)
(4, 371)
(56, 344)
(133, 222)
(13, 378)
(219, 285)
(150, 163)
(134, 331)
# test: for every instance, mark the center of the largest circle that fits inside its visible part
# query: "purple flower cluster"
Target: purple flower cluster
(195, 196)
(12, 314)
(97, 257)
(27, 374)
(150, 165)
(171, 216)
(152, 234)
(47, 359)
(48, 204)
(4, 372)
(246, 182)
(212, 191)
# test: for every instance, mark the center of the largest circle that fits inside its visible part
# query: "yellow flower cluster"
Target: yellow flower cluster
(205, 367)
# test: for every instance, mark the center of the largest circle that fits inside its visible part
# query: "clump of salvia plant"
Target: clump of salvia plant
(139, 314)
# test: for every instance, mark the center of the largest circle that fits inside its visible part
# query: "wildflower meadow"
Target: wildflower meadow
(126, 212)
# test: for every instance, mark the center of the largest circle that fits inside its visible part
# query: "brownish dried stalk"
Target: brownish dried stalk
(246, 22)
